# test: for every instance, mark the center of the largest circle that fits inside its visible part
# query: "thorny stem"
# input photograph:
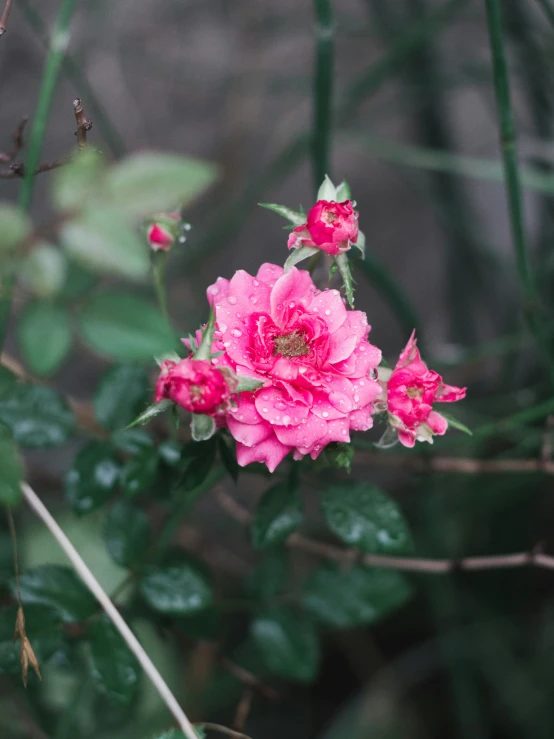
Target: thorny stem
(96, 589)
(513, 183)
(5, 16)
(58, 46)
(534, 558)
(83, 124)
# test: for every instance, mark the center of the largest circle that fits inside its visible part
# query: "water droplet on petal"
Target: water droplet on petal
(222, 327)
(327, 312)
(325, 414)
(292, 304)
(253, 299)
(286, 420)
(256, 283)
(215, 290)
(264, 410)
(232, 300)
(343, 432)
(236, 332)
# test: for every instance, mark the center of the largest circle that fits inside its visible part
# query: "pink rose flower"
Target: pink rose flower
(310, 352)
(161, 233)
(194, 384)
(331, 227)
(411, 391)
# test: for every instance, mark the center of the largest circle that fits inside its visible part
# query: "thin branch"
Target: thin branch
(5, 16)
(83, 124)
(534, 558)
(17, 169)
(96, 589)
(248, 679)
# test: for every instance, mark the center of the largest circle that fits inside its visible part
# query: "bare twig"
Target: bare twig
(83, 124)
(96, 589)
(243, 709)
(18, 143)
(5, 16)
(248, 679)
(534, 558)
(17, 169)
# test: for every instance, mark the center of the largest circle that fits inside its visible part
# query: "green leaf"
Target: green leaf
(248, 384)
(347, 280)
(59, 588)
(114, 667)
(178, 589)
(294, 216)
(344, 599)
(151, 412)
(360, 243)
(120, 395)
(79, 182)
(44, 270)
(146, 183)
(126, 533)
(92, 479)
(364, 517)
(124, 327)
(14, 226)
(37, 416)
(139, 473)
(343, 192)
(327, 190)
(340, 455)
(204, 350)
(228, 457)
(202, 427)
(197, 461)
(453, 421)
(267, 579)
(44, 335)
(78, 282)
(11, 471)
(278, 514)
(299, 255)
(288, 644)
(131, 441)
(101, 240)
(7, 381)
(44, 631)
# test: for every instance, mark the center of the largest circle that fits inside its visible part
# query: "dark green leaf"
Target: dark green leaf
(278, 514)
(113, 666)
(146, 183)
(101, 240)
(126, 533)
(453, 421)
(37, 416)
(78, 281)
(340, 455)
(151, 412)
(124, 327)
(11, 471)
(121, 394)
(299, 255)
(293, 216)
(178, 589)
(44, 335)
(197, 461)
(139, 472)
(344, 599)
(363, 516)
(170, 452)
(202, 427)
(92, 479)
(132, 441)
(7, 381)
(288, 643)
(44, 631)
(268, 578)
(228, 457)
(60, 589)
(205, 624)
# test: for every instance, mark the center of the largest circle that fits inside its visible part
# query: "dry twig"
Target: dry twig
(5, 16)
(534, 558)
(83, 124)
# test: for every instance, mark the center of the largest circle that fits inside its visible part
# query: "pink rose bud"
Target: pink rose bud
(194, 384)
(162, 232)
(331, 227)
(412, 390)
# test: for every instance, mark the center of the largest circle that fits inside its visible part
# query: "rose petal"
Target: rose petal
(292, 288)
(270, 452)
(330, 306)
(249, 434)
(274, 406)
(218, 290)
(252, 296)
(269, 273)
(305, 435)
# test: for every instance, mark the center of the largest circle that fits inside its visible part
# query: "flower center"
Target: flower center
(291, 345)
(414, 392)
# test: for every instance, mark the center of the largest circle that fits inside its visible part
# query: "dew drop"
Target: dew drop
(325, 414)
(226, 344)
(215, 290)
(222, 327)
(264, 410)
(236, 332)
(232, 300)
(286, 420)
(302, 370)
(343, 432)
(327, 312)
(253, 299)
(292, 304)
(356, 397)
(256, 283)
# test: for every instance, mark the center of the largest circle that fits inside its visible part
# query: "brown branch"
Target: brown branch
(243, 709)
(18, 143)
(221, 730)
(5, 16)
(83, 124)
(17, 169)
(534, 558)
(248, 679)
(457, 464)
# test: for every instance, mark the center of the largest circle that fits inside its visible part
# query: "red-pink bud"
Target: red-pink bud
(162, 232)
(194, 384)
(330, 226)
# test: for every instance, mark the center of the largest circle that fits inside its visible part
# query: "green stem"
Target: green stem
(158, 273)
(58, 46)
(73, 72)
(513, 183)
(548, 9)
(323, 91)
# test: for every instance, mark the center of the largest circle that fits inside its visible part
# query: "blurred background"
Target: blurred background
(415, 132)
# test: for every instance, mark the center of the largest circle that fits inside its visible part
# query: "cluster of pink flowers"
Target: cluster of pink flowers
(311, 374)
